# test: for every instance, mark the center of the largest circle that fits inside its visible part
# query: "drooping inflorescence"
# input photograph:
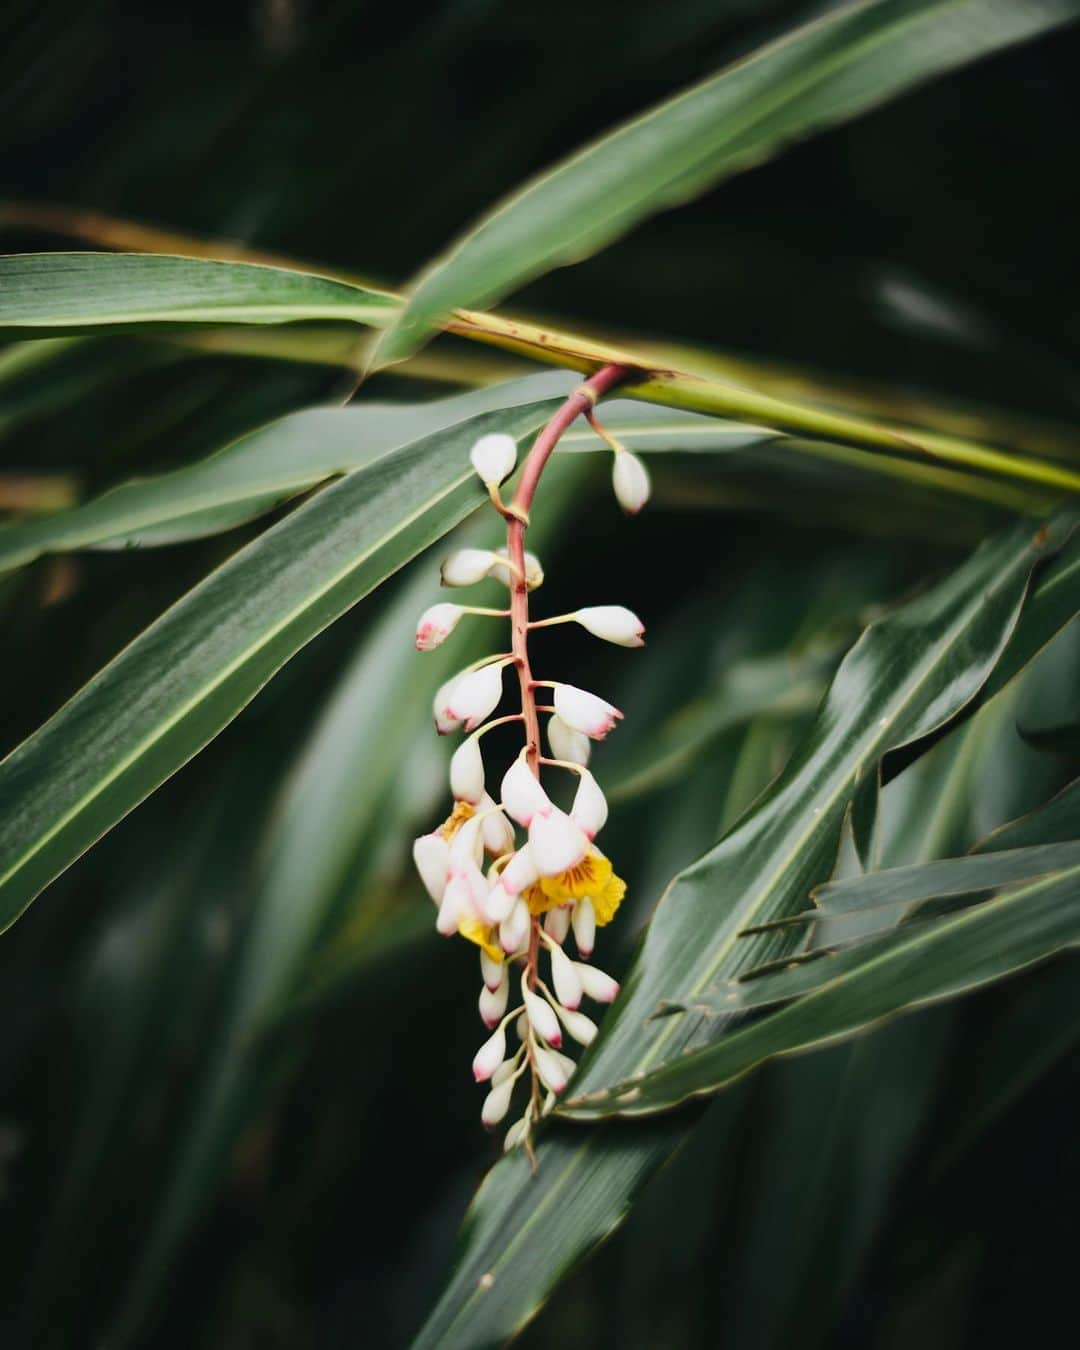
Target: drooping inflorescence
(553, 882)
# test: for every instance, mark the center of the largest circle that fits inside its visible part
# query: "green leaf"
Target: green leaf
(254, 474)
(837, 995)
(522, 1234)
(815, 76)
(1055, 822)
(46, 294)
(174, 688)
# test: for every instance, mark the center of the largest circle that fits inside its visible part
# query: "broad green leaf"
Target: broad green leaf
(1057, 821)
(825, 72)
(46, 294)
(254, 474)
(921, 962)
(522, 1234)
(174, 688)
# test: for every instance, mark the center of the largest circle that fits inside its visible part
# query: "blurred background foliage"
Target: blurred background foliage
(233, 1110)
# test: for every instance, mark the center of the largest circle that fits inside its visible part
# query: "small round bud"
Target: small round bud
(585, 712)
(514, 931)
(613, 623)
(557, 923)
(467, 771)
(493, 457)
(565, 978)
(521, 794)
(542, 1018)
(582, 1028)
(590, 805)
(496, 1104)
(515, 1134)
(431, 854)
(475, 695)
(534, 573)
(467, 566)
(566, 743)
(552, 1069)
(490, 1055)
(435, 625)
(630, 479)
(584, 921)
(596, 983)
(493, 1003)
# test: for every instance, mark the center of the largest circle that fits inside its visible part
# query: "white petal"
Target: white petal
(630, 479)
(490, 1055)
(542, 1018)
(466, 566)
(454, 903)
(498, 904)
(565, 978)
(584, 921)
(613, 623)
(590, 807)
(496, 1104)
(566, 743)
(556, 843)
(494, 456)
(493, 1003)
(467, 771)
(494, 972)
(514, 931)
(475, 695)
(431, 854)
(444, 721)
(519, 872)
(497, 831)
(552, 1074)
(534, 573)
(435, 625)
(557, 923)
(585, 712)
(521, 793)
(466, 846)
(582, 1028)
(596, 983)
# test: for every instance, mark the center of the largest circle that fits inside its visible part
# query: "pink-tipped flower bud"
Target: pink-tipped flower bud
(522, 795)
(490, 1055)
(515, 1134)
(466, 566)
(493, 457)
(445, 722)
(496, 1104)
(582, 1028)
(613, 623)
(596, 983)
(556, 843)
(467, 771)
(551, 1069)
(454, 903)
(566, 743)
(493, 971)
(514, 930)
(584, 921)
(435, 625)
(585, 712)
(534, 573)
(519, 872)
(542, 1018)
(493, 1003)
(476, 694)
(557, 923)
(565, 978)
(431, 854)
(590, 806)
(630, 479)
(499, 904)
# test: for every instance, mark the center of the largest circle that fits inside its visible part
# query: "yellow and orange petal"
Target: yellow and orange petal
(592, 877)
(483, 934)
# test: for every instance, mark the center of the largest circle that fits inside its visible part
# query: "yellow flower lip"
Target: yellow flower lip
(592, 878)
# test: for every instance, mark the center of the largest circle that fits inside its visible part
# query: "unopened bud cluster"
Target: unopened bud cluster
(508, 869)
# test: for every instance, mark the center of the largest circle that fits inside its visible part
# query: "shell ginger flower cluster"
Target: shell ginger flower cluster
(509, 870)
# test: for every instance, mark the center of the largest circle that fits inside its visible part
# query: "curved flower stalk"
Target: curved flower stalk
(546, 880)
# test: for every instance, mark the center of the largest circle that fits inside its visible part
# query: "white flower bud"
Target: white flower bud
(490, 1055)
(584, 921)
(493, 457)
(504, 1071)
(519, 872)
(552, 1073)
(521, 793)
(475, 695)
(566, 743)
(534, 573)
(467, 771)
(435, 625)
(582, 1028)
(556, 843)
(497, 831)
(613, 623)
(521, 1026)
(515, 1134)
(565, 978)
(466, 566)
(596, 983)
(444, 721)
(590, 806)
(557, 923)
(630, 479)
(496, 1104)
(542, 1018)
(493, 971)
(466, 848)
(454, 903)
(585, 712)
(514, 930)
(431, 854)
(493, 1003)
(498, 904)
